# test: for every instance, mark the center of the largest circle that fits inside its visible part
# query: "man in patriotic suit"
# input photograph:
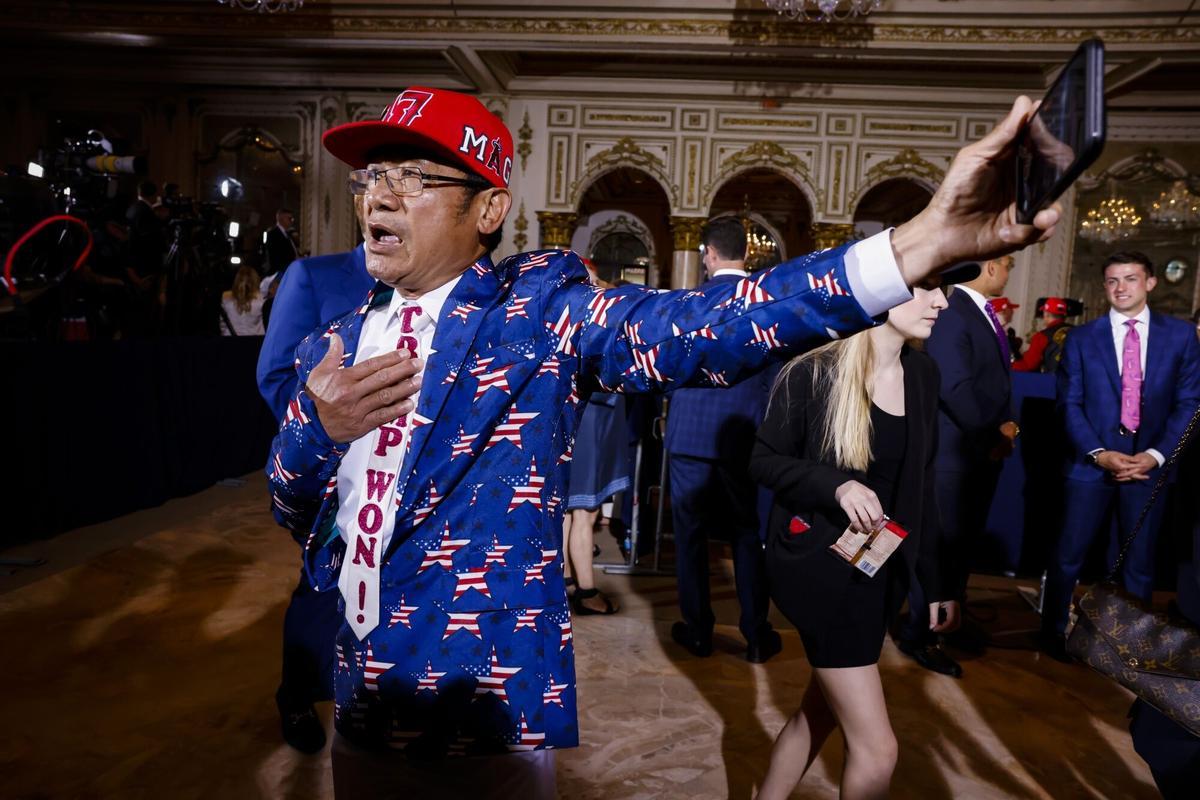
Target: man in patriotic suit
(428, 448)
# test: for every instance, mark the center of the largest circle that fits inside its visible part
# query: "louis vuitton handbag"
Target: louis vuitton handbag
(1154, 656)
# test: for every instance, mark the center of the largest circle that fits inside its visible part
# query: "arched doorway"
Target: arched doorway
(889, 203)
(779, 214)
(633, 242)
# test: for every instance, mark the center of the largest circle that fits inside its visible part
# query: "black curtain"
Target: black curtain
(95, 430)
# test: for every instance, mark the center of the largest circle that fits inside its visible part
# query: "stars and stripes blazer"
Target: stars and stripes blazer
(474, 651)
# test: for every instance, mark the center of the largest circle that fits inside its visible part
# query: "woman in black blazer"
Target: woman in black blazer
(850, 435)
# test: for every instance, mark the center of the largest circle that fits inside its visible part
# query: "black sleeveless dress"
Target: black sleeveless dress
(852, 635)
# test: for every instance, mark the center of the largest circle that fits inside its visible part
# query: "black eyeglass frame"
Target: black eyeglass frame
(427, 181)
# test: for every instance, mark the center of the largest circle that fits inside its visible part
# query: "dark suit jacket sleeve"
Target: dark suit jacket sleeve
(950, 345)
(294, 315)
(778, 461)
(929, 562)
(1187, 394)
(1070, 400)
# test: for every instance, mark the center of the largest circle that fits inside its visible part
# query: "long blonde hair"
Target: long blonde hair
(841, 372)
(245, 288)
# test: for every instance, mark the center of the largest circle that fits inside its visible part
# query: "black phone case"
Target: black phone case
(1095, 130)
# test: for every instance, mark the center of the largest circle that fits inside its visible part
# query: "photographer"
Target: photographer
(147, 246)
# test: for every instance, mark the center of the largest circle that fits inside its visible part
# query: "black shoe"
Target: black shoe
(302, 729)
(932, 657)
(768, 644)
(1054, 645)
(700, 646)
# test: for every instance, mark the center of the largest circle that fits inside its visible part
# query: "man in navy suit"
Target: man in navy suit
(975, 433)
(313, 292)
(1127, 386)
(710, 433)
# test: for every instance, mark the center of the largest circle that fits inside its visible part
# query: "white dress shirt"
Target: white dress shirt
(741, 273)
(381, 329)
(874, 276)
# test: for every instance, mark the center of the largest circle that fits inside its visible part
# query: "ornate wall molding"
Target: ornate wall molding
(625, 153)
(623, 223)
(764, 155)
(686, 232)
(521, 225)
(556, 229)
(524, 136)
(908, 163)
(1147, 165)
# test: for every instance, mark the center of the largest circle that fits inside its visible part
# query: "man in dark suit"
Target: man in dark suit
(710, 433)
(147, 246)
(975, 433)
(313, 292)
(1127, 386)
(281, 247)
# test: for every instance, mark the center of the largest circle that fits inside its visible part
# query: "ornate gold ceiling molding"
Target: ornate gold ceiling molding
(625, 153)
(765, 155)
(767, 30)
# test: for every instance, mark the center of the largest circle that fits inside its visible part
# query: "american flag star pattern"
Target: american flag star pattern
(373, 669)
(402, 615)
(466, 621)
(553, 693)
(489, 379)
(472, 579)
(827, 283)
(556, 337)
(748, 292)
(527, 619)
(528, 489)
(443, 553)
(526, 739)
(538, 571)
(516, 308)
(427, 680)
(765, 336)
(716, 378)
(490, 677)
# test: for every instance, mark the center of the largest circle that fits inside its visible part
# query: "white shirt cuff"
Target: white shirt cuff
(874, 276)
(1157, 457)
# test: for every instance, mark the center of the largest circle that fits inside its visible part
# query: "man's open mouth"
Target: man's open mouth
(382, 234)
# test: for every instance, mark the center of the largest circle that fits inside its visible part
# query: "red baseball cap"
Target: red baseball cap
(1055, 305)
(447, 123)
(1002, 304)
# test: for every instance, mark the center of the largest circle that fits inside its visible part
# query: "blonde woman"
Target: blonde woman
(241, 306)
(849, 436)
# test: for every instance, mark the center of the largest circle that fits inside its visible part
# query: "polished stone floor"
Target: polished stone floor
(140, 662)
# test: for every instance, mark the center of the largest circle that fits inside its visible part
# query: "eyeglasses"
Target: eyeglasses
(405, 181)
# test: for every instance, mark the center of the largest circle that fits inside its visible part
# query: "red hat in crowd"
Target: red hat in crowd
(1055, 305)
(1001, 304)
(450, 124)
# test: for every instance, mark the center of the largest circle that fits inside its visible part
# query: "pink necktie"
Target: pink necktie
(1131, 379)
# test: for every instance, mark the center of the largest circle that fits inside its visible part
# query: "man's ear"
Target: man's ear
(1151, 282)
(495, 207)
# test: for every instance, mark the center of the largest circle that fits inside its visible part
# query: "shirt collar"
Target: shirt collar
(1118, 319)
(431, 302)
(977, 298)
(741, 273)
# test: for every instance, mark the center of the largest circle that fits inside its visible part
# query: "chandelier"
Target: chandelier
(1176, 208)
(1115, 219)
(823, 10)
(264, 6)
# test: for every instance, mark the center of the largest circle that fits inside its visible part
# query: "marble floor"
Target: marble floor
(141, 660)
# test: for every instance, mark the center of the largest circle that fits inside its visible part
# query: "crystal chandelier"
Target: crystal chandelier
(1176, 208)
(823, 10)
(264, 6)
(1115, 219)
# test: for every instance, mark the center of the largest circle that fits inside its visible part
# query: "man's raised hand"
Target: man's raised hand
(354, 401)
(973, 214)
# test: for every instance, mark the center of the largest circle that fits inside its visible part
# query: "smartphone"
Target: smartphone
(1066, 134)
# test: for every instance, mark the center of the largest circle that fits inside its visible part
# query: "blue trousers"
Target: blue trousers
(712, 498)
(1089, 509)
(310, 626)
